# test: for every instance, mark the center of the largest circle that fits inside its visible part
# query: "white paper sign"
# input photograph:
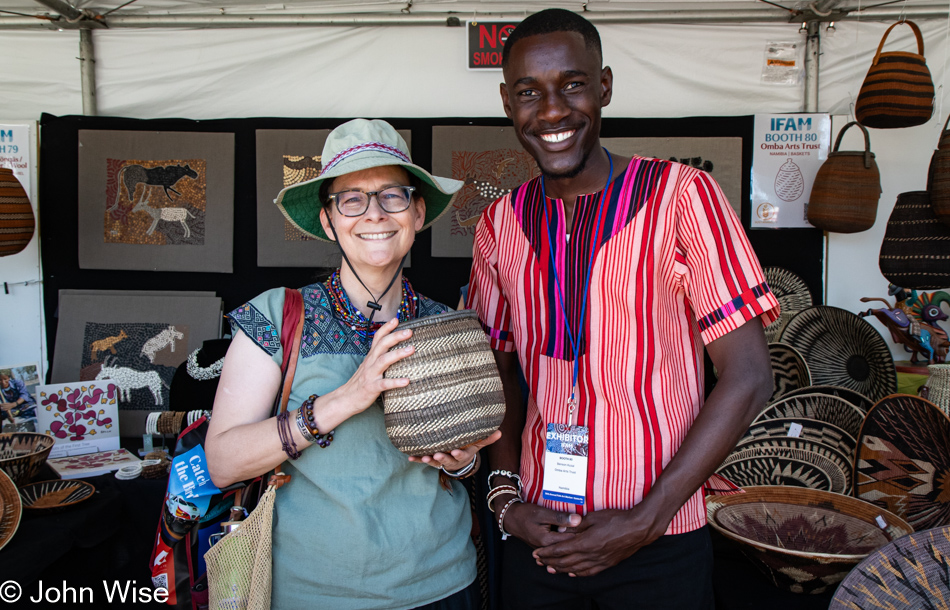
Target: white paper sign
(15, 153)
(787, 151)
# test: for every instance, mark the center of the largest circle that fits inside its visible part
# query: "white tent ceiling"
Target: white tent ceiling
(145, 13)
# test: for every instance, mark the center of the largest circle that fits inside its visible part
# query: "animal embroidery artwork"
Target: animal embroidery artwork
(155, 202)
(142, 364)
(487, 175)
(297, 169)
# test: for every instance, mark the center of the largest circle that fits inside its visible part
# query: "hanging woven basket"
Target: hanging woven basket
(938, 178)
(454, 397)
(846, 190)
(16, 215)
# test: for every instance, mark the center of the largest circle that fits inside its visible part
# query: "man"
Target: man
(14, 397)
(605, 293)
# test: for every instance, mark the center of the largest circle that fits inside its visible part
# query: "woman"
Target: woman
(359, 525)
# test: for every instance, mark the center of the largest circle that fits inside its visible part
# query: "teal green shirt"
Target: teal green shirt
(359, 526)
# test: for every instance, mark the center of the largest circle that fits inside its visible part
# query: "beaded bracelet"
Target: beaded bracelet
(305, 417)
(505, 473)
(464, 472)
(501, 517)
(287, 442)
(501, 490)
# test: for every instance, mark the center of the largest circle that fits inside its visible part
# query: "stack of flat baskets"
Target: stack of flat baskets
(454, 397)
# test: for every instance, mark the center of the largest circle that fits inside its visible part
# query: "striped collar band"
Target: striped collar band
(368, 146)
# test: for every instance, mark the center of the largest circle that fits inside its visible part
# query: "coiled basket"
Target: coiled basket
(454, 397)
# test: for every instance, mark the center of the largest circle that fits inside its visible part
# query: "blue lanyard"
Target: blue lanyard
(575, 344)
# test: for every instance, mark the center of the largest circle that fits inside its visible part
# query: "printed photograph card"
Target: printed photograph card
(156, 201)
(83, 417)
(92, 464)
(18, 382)
(286, 157)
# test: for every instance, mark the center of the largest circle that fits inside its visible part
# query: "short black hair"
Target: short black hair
(549, 21)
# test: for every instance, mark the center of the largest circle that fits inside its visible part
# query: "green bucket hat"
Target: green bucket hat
(357, 145)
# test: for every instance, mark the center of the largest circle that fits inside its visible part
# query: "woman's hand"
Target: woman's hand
(367, 383)
(457, 459)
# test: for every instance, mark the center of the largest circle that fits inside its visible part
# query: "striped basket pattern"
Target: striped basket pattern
(789, 371)
(898, 90)
(455, 396)
(939, 185)
(16, 215)
(915, 252)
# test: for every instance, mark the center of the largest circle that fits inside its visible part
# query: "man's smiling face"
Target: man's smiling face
(554, 90)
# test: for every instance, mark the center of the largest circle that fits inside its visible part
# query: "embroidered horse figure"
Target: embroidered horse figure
(129, 379)
(166, 177)
(161, 341)
(167, 214)
(107, 344)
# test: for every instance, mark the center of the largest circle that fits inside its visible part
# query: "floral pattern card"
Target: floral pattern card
(92, 464)
(83, 417)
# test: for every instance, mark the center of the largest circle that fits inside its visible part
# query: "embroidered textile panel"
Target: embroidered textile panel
(137, 341)
(491, 162)
(156, 201)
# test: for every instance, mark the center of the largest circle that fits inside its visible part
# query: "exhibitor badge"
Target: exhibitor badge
(565, 463)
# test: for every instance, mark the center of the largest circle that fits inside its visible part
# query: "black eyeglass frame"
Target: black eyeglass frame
(334, 197)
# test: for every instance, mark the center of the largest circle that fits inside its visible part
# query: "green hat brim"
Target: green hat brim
(300, 203)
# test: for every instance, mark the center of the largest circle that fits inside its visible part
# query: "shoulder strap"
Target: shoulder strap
(291, 331)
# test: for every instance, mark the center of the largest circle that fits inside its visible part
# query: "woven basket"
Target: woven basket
(898, 90)
(938, 183)
(804, 540)
(54, 496)
(915, 246)
(938, 386)
(455, 396)
(944, 142)
(16, 215)
(846, 190)
(23, 453)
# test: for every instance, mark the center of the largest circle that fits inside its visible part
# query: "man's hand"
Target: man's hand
(604, 538)
(536, 525)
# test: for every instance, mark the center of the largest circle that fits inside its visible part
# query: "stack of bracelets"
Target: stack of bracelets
(306, 425)
(503, 490)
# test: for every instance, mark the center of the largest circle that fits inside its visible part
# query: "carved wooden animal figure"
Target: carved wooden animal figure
(916, 337)
(107, 344)
(168, 214)
(129, 379)
(161, 341)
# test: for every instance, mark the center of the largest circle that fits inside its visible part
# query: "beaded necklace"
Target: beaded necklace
(354, 318)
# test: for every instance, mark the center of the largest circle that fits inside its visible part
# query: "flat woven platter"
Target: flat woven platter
(842, 349)
(454, 397)
(811, 430)
(910, 572)
(784, 466)
(854, 397)
(53, 496)
(903, 460)
(12, 509)
(804, 540)
(843, 461)
(789, 371)
(792, 294)
(821, 407)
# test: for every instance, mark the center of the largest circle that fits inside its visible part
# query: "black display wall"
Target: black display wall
(799, 250)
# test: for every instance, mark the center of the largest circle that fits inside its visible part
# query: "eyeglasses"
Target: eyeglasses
(355, 203)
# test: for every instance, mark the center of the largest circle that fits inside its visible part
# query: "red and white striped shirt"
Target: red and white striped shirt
(672, 270)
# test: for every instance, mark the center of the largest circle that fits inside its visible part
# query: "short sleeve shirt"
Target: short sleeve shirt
(358, 526)
(672, 270)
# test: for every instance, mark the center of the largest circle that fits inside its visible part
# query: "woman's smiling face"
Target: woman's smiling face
(376, 239)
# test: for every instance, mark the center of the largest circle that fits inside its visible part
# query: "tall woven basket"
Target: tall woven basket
(846, 190)
(938, 179)
(454, 397)
(913, 252)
